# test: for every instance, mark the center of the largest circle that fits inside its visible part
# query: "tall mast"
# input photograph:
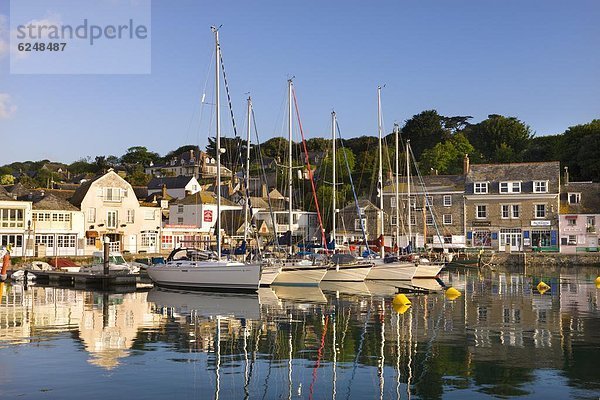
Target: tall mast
(290, 185)
(247, 175)
(397, 184)
(380, 176)
(218, 144)
(408, 193)
(334, 177)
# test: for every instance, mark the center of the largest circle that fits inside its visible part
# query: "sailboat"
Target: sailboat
(186, 267)
(294, 271)
(344, 267)
(388, 269)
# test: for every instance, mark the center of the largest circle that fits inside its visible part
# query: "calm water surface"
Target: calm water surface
(500, 339)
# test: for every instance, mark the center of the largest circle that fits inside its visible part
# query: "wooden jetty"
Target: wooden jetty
(87, 278)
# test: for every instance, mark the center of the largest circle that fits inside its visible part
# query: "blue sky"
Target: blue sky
(535, 60)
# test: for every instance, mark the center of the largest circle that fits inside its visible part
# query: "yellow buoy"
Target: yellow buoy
(542, 287)
(401, 299)
(598, 282)
(400, 308)
(452, 294)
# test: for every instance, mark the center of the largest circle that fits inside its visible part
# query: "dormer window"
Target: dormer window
(540, 186)
(510, 187)
(481, 187)
(574, 198)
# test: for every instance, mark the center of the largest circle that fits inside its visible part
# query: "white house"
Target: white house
(192, 220)
(579, 217)
(111, 209)
(57, 228)
(15, 220)
(176, 186)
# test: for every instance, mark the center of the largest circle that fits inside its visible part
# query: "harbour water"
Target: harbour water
(501, 338)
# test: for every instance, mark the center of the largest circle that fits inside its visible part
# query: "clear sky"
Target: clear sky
(536, 60)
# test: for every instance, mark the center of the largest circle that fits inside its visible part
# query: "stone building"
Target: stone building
(513, 206)
(579, 217)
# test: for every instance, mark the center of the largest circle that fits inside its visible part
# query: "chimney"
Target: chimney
(191, 155)
(566, 177)
(466, 164)
(164, 190)
(265, 192)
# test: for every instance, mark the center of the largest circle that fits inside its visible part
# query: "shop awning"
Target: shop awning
(571, 216)
(91, 234)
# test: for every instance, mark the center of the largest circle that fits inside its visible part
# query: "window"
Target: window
(180, 209)
(541, 238)
(47, 240)
(394, 220)
(130, 216)
(516, 211)
(167, 242)
(510, 187)
(65, 240)
(447, 200)
(91, 215)
(357, 223)
(540, 211)
(91, 241)
(574, 198)
(413, 219)
(571, 221)
(590, 225)
(480, 211)
(428, 201)
(114, 194)
(180, 220)
(12, 218)
(361, 210)
(149, 214)
(393, 202)
(429, 219)
(505, 211)
(148, 239)
(111, 219)
(540, 186)
(481, 187)
(482, 239)
(572, 240)
(447, 219)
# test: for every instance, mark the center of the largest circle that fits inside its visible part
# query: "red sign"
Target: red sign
(208, 215)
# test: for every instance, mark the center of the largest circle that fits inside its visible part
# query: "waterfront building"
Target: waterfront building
(15, 220)
(111, 209)
(579, 217)
(348, 223)
(513, 207)
(193, 163)
(176, 186)
(437, 217)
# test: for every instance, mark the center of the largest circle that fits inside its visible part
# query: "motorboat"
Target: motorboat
(116, 264)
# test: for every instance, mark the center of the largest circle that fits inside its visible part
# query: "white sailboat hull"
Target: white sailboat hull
(348, 273)
(394, 271)
(428, 270)
(222, 275)
(301, 275)
(268, 273)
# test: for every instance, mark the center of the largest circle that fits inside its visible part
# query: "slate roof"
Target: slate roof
(524, 172)
(590, 198)
(203, 197)
(4, 195)
(19, 190)
(52, 202)
(362, 203)
(82, 190)
(172, 182)
(433, 183)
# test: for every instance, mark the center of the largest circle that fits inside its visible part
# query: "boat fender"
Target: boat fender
(401, 299)
(452, 293)
(598, 282)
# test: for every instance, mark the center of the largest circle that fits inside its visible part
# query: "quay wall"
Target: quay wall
(542, 259)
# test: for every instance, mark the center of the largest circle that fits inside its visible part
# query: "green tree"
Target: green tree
(500, 139)
(82, 166)
(424, 130)
(447, 157)
(544, 148)
(580, 146)
(137, 177)
(7, 179)
(139, 155)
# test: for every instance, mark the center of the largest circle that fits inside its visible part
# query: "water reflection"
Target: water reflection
(502, 337)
